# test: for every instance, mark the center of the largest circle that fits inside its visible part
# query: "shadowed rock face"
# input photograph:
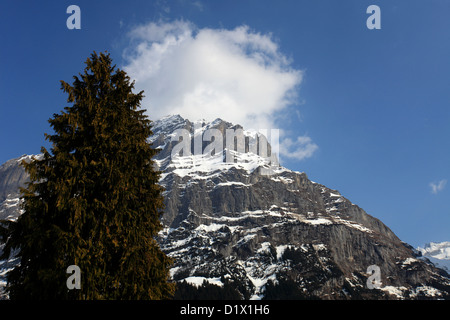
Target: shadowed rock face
(228, 223)
(12, 177)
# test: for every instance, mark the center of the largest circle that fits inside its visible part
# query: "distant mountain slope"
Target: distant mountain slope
(267, 235)
(438, 253)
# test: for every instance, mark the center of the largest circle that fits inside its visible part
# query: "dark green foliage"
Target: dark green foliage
(206, 291)
(295, 255)
(310, 269)
(94, 200)
(285, 290)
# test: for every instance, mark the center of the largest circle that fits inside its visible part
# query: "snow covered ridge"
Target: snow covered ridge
(14, 162)
(439, 250)
(185, 144)
(438, 253)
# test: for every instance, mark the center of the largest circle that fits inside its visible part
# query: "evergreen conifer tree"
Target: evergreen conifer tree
(93, 201)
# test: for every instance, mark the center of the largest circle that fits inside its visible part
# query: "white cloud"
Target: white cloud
(238, 75)
(438, 186)
(299, 149)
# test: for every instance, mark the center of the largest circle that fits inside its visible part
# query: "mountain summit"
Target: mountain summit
(236, 220)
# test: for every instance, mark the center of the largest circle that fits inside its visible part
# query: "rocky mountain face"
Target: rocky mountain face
(261, 229)
(12, 177)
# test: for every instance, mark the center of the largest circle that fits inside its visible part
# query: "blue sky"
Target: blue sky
(374, 104)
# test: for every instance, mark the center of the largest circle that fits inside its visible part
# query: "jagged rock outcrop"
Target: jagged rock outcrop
(227, 223)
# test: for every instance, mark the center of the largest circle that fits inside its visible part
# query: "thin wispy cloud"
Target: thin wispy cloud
(162, 5)
(437, 187)
(198, 4)
(301, 148)
(238, 75)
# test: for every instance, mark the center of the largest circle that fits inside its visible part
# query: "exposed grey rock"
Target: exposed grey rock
(12, 176)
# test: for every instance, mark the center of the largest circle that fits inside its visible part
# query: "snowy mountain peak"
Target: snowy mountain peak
(438, 253)
(438, 250)
(189, 147)
(168, 124)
